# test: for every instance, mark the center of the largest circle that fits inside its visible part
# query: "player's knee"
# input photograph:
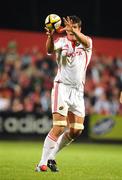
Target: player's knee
(60, 123)
(56, 131)
(74, 133)
(76, 130)
(59, 120)
(58, 127)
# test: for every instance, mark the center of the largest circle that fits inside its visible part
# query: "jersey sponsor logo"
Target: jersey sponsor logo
(73, 54)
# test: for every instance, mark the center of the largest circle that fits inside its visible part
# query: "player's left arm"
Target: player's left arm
(85, 40)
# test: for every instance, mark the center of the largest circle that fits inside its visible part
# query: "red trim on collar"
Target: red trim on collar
(73, 42)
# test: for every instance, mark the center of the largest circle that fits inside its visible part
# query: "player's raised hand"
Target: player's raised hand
(68, 24)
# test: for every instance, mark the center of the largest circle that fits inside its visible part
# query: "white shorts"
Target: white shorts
(66, 98)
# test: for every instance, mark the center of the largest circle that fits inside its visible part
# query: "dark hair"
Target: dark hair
(76, 19)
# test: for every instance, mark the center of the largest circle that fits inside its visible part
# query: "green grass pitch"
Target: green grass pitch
(77, 162)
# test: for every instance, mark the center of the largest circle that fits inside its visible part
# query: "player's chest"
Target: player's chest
(72, 55)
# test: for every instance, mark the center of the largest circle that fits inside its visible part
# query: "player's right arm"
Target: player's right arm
(50, 41)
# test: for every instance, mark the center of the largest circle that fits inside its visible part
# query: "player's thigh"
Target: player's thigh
(59, 124)
(73, 118)
(75, 124)
(59, 120)
(58, 97)
(58, 117)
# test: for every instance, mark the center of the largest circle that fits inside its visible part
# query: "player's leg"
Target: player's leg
(59, 144)
(74, 129)
(77, 114)
(59, 111)
(59, 124)
(76, 125)
(75, 121)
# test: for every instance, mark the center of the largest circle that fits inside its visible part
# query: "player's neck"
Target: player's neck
(72, 40)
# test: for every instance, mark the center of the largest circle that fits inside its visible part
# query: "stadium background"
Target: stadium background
(26, 77)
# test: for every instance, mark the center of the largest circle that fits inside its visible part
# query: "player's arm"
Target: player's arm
(82, 38)
(50, 41)
(85, 40)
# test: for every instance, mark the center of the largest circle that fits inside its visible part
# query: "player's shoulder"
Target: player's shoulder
(61, 39)
(89, 38)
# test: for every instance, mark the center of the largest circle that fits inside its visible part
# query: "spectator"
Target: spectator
(102, 105)
(4, 103)
(45, 101)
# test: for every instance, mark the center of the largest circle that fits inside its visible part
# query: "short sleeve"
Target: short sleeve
(58, 43)
(90, 41)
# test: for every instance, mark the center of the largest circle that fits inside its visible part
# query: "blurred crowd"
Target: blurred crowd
(103, 85)
(26, 80)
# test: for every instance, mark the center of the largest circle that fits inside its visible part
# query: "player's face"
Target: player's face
(70, 35)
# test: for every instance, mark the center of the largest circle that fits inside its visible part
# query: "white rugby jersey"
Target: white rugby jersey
(72, 60)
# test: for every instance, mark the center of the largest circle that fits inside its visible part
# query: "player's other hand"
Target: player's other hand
(49, 32)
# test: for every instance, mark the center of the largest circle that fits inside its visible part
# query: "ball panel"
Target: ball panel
(54, 18)
(49, 26)
(57, 25)
(47, 20)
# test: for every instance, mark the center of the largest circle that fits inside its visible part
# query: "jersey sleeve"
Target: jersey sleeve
(90, 41)
(58, 43)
